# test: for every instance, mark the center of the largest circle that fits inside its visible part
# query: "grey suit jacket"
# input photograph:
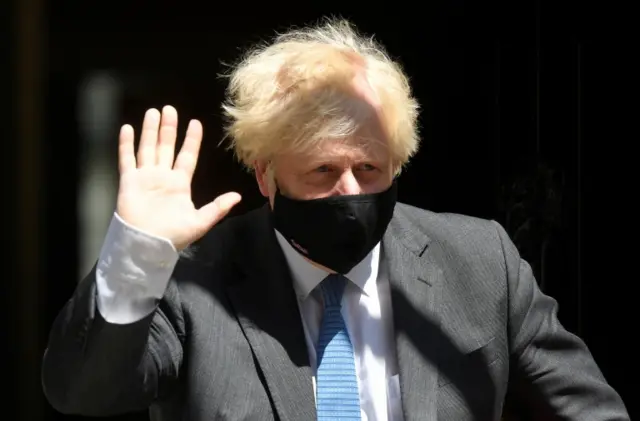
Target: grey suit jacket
(226, 341)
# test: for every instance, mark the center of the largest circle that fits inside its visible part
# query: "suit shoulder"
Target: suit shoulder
(467, 246)
(224, 237)
(444, 220)
(451, 228)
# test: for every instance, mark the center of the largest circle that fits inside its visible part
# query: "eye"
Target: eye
(322, 168)
(366, 167)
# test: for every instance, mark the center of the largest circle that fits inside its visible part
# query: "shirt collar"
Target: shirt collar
(306, 276)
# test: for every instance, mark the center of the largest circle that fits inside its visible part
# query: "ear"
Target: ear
(261, 168)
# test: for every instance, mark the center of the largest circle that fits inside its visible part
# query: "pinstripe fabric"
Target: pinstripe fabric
(337, 385)
(226, 342)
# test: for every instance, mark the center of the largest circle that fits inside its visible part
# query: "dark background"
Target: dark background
(520, 123)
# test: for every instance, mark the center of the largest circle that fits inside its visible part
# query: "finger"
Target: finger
(188, 155)
(126, 153)
(212, 213)
(149, 138)
(167, 137)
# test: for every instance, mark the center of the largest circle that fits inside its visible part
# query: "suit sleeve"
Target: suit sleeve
(552, 370)
(116, 346)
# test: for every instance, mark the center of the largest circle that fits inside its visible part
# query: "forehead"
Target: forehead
(356, 148)
(352, 148)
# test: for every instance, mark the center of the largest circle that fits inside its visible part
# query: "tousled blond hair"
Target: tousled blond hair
(297, 91)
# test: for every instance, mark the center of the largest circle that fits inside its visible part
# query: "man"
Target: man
(332, 302)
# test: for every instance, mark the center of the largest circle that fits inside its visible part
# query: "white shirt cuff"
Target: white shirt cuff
(133, 271)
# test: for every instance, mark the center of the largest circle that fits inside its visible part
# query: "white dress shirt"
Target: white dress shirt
(134, 269)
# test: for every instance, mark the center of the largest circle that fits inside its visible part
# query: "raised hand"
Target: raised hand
(155, 191)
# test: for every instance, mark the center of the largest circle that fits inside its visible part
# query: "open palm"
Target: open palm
(155, 189)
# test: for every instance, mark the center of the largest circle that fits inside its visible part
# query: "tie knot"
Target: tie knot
(332, 289)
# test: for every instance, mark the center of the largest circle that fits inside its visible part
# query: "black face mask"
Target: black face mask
(337, 231)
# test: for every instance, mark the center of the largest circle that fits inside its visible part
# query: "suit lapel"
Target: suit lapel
(267, 310)
(265, 303)
(415, 284)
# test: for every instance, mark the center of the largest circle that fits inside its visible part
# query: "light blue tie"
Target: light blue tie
(336, 382)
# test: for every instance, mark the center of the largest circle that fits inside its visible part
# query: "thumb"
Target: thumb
(213, 212)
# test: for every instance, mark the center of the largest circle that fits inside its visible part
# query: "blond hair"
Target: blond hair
(297, 91)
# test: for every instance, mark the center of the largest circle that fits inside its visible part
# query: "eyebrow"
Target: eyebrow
(317, 161)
